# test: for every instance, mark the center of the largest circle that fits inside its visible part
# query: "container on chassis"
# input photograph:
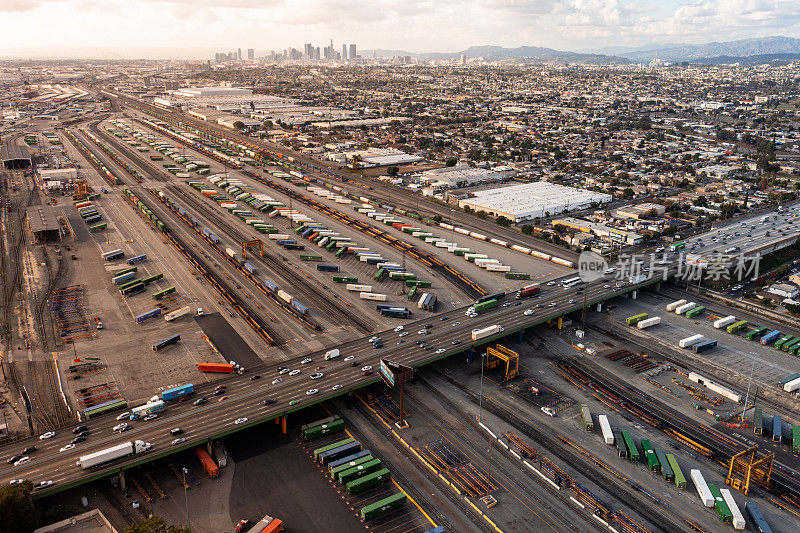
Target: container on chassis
(633, 320)
(759, 522)
(777, 428)
(530, 290)
(149, 314)
(365, 483)
(323, 429)
(177, 392)
(646, 323)
(383, 506)
(485, 332)
(691, 313)
(685, 307)
(702, 488)
(633, 451)
(340, 451)
(680, 480)
(723, 322)
(372, 296)
(650, 456)
(737, 519)
(758, 421)
(358, 288)
(208, 463)
(664, 466)
(185, 310)
(116, 280)
(113, 453)
(622, 450)
(605, 428)
(224, 368)
(169, 341)
(348, 462)
(361, 470)
(672, 306)
(722, 509)
(704, 346)
(328, 268)
(690, 341)
(331, 446)
(752, 334)
(771, 336)
(586, 416)
(268, 524)
(736, 326)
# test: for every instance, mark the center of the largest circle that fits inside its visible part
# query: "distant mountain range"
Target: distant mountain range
(751, 51)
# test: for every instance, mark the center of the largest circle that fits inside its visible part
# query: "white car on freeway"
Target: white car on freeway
(67, 447)
(120, 427)
(349, 358)
(294, 372)
(309, 392)
(316, 375)
(241, 420)
(48, 435)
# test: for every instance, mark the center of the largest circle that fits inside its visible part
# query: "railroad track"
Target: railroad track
(297, 282)
(784, 481)
(328, 306)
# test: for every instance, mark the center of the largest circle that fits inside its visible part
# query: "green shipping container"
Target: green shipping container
(345, 279)
(485, 306)
(723, 511)
(694, 312)
(633, 451)
(517, 275)
(347, 466)
(125, 271)
(736, 326)
(323, 429)
(324, 449)
(633, 320)
(755, 333)
(383, 506)
(680, 481)
(650, 455)
(367, 482)
(346, 476)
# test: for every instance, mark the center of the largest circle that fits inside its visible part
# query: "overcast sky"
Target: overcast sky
(193, 27)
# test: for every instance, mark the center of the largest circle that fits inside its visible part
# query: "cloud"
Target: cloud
(9, 6)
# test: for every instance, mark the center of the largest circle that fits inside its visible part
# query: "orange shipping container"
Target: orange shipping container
(274, 527)
(208, 463)
(215, 367)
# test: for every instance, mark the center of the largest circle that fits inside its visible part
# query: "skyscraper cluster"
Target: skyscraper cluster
(310, 52)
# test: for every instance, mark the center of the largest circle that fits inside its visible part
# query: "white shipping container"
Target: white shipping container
(421, 301)
(605, 427)
(690, 341)
(722, 322)
(671, 307)
(702, 488)
(540, 255)
(482, 333)
(792, 386)
(652, 321)
(169, 317)
(738, 519)
(230, 252)
(364, 258)
(372, 296)
(478, 236)
(562, 262)
(499, 242)
(445, 226)
(285, 296)
(358, 288)
(276, 236)
(498, 268)
(685, 307)
(443, 244)
(461, 231)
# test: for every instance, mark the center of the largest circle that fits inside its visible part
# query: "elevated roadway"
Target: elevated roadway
(246, 397)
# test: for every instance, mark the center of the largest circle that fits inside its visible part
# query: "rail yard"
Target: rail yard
(206, 305)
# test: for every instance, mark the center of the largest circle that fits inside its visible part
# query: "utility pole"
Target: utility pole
(186, 499)
(480, 396)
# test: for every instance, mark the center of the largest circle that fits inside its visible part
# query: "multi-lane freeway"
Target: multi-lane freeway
(246, 396)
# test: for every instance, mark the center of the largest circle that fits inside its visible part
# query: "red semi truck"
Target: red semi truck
(215, 367)
(530, 290)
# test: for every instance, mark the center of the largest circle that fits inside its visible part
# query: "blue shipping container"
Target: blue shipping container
(338, 453)
(169, 341)
(271, 286)
(137, 259)
(302, 309)
(328, 268)
(250, 268)
(214, 238)
(93, 219)
(777, 432)
(759, 522)
(150, 314)
(343, 460)
(705, 345)
(771, 336)
(177, 392)
(114, 256)
(116, 280)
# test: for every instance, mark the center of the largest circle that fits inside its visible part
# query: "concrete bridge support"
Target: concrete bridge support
(122, 485)
(599, 306)
(283, 424)
(634, 294)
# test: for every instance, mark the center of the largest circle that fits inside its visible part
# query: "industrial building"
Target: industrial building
(15, 156)
(463, 176)
(375, 157)
(532, 200)
(600, 230)
(43, 223)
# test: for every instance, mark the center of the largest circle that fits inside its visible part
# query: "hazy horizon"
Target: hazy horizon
(195, 29)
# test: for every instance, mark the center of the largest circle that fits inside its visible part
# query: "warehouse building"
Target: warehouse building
(532, 200)
(43, 223)
(602, 231)
(463, 176)
(15, 156)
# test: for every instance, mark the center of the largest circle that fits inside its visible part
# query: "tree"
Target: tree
(155, 524)
(17, 514)
(627, 193)
(701, 201)
(392, 170)
(451, 162)
(503, 221)
(238, 124)
(793, 309)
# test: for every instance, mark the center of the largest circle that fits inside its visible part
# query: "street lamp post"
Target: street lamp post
(186, 499)
(480, 397)
(747, 396)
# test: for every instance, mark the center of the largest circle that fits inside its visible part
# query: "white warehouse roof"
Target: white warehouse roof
(532, 200)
